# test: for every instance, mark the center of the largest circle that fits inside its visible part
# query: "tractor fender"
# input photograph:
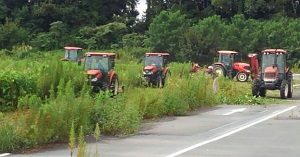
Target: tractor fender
(287, 69)
(165, 71)
(220, 64)
(111, 75)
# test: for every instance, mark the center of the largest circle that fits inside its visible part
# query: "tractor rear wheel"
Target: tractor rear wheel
(255, 87)
(284, 89)
(290, 84)
(114, 85)
(219, 70)
(242, 77)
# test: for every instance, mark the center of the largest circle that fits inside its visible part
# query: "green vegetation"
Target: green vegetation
(44, 100)
(59, 102)
(188, 30)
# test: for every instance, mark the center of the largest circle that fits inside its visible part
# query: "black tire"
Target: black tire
(255, 87)
(242, 77)
(290, 84)
(219, 71)
(114, 85)
(262, 92)
(284, 89)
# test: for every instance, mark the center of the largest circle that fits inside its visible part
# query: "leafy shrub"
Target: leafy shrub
(14, 84)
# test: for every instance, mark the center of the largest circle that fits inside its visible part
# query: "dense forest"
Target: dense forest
(188, 29)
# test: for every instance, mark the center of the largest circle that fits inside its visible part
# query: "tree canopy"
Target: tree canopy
(189, 30)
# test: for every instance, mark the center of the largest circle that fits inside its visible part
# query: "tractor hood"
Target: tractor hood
(242, 64)
(152, 68)
(95, 73)
(242, 67)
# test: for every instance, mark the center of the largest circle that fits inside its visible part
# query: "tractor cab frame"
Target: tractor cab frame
(73, 54)
(228, 68)
(155, 68)
(100, 71)
(273, 74)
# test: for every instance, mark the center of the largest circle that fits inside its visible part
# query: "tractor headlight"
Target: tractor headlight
(94, 79)
(148, 72)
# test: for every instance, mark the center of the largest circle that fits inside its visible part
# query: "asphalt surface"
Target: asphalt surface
(225, 130)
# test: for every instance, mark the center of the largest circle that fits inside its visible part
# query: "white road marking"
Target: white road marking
(229, 133)
(234, 111)
(5, 154)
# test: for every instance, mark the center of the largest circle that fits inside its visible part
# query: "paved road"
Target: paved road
(225, 130)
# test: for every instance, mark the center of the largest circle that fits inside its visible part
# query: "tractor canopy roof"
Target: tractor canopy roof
(105, 54)
(274, 51)
(72, 48)
(156, 54)
(227, 52)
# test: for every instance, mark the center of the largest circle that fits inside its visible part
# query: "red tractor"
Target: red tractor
(228, 68)
(155, 69)
(273, 74)
(100, 71)
(73, 54)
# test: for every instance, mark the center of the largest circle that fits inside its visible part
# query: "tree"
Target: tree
(165, 32)
(12, 34)
(102, 37)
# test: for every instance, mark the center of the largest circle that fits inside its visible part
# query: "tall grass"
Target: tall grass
(62, 99)
(129, 73)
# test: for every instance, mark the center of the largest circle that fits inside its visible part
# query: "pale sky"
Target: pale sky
(141, 7)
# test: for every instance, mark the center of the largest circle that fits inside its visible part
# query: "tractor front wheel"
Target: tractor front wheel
(242, 77)
(255, 87)
(262, 92)
(219, 70)
(284, 89)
